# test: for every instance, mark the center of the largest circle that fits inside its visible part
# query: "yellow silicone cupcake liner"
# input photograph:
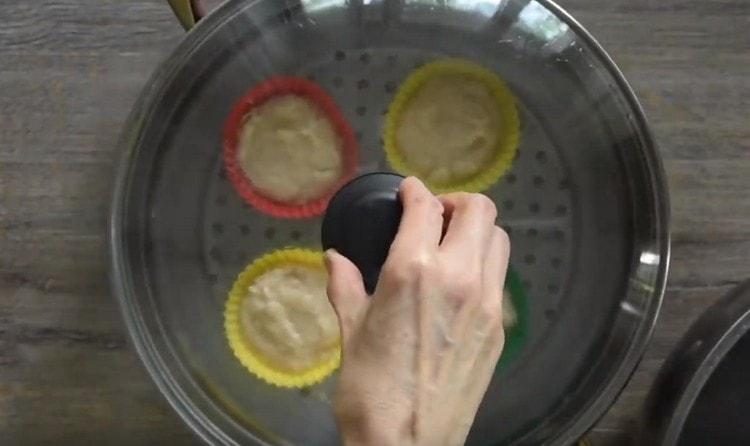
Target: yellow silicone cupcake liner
(509, 132)
(243, 350)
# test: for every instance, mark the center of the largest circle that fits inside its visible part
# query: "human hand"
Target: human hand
(419, 354)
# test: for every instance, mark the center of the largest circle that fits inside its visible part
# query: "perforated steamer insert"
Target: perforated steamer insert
(534, 197)
(584, 205)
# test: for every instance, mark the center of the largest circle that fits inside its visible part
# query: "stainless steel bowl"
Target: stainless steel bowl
(585, 204)
(702, 394)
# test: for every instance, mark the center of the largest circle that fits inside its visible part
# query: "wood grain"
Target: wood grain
(69, 72)
(688, 62)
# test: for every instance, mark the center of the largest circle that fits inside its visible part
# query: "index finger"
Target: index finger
(471, 221)
(421, 221)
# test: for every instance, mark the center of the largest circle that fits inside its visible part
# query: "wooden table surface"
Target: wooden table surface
(71, 69)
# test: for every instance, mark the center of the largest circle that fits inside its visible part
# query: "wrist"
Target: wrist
(367, 439)
(361, 430)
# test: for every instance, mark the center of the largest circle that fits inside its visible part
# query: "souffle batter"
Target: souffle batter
(289, 150)
(449, 130)
(287, 318)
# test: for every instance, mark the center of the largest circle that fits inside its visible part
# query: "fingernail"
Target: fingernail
(327, 257)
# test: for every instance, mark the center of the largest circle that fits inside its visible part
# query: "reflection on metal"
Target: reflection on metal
(630, 309)
(322, 5)
(649, 258)
(640, 280)
(646, 268)
(486, 8)
(539, 21)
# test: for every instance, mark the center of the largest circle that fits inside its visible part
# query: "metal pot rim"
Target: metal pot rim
(171, 385)
(690, 365)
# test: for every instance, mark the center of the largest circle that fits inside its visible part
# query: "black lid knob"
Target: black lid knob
(362, 220)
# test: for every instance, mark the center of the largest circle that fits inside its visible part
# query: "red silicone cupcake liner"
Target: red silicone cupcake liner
(257, 96)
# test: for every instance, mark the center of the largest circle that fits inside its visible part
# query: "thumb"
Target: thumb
(346, 291)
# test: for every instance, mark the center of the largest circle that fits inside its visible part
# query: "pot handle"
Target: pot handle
(188, 12)
(183, 10)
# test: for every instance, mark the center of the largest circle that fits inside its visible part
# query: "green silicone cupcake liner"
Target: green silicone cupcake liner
(515, 337)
